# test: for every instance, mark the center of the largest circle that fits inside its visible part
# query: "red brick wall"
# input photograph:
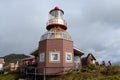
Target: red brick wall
(89, 59)
(1, 60)
(42, 48)
(55, 45)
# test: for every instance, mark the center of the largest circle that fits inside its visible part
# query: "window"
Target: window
(55, 56)
(42, 57)
(76, 59)
(68, 56)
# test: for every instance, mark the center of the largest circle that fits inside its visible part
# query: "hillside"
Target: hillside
(13, 58)
(93, 73)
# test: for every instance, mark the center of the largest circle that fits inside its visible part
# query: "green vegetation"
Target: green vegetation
(8, 77)
(14, 75)
(111, 70)
(93, 73)
(13, 58)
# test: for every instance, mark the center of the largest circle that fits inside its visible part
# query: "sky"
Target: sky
(94, 25)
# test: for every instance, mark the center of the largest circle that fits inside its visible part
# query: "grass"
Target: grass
(9, 77)
(86, 76)
(93, 73)
(14, 75)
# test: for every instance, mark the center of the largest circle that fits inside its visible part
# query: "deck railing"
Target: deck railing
(32, 73)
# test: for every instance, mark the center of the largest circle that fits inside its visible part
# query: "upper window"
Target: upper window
(42, 57)
(55, 56)
(68, 56)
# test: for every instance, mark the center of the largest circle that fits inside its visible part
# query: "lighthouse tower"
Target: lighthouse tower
(56, 46)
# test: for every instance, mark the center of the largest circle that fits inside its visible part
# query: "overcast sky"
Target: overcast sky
(93, 24)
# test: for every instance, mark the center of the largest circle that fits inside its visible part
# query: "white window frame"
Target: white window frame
(42, 57)
(68, 57)
(52, 56)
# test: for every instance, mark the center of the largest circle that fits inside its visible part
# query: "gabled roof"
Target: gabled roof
(28, 58)
(35, 53)
(90, 54)
(78, 51)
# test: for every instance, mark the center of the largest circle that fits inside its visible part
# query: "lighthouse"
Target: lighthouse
(55, 51)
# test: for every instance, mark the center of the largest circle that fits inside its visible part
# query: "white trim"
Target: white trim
(79, 50)
(68, 57)
(1, 66)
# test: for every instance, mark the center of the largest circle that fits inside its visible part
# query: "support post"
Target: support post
(35, 73)
(44, 73)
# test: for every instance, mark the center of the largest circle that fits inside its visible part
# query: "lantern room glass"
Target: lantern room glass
(56, 14)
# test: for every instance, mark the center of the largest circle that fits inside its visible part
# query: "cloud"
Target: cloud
(97, 28)
(107, 12)
(93, 25)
